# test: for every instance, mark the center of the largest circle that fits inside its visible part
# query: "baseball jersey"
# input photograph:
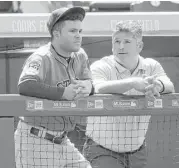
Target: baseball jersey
(121, 133)
(47, 67)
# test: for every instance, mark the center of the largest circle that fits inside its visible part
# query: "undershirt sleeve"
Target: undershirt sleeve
(40, 90)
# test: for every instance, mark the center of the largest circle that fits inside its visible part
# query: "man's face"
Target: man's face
(125, 48)
(70, 37)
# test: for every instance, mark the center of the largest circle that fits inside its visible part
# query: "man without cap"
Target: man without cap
(56, 71)
(120, 141)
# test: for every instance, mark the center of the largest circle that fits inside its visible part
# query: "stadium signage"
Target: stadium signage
(64, 104)
(125, 103)
(91, 104)
(175, 103)
(155, 104)
(34, 105)
(95, 104)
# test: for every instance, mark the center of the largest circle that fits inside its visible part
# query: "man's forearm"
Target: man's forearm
(115, 86)
(40, 90)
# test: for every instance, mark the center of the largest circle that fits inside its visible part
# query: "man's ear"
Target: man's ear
(56, 33)
(140, 46)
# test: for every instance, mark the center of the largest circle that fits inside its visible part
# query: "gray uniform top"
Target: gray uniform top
(46, 66)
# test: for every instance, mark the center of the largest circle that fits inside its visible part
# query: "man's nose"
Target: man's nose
(121, 46)
(78, 35)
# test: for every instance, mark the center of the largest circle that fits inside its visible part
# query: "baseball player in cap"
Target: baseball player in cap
(56, 71)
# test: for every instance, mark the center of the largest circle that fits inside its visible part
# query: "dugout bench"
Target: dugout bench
(23, 33)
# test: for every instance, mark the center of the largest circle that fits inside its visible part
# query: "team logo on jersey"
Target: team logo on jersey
(63, 83)
(35, 65)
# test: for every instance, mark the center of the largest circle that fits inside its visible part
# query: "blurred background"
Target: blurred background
(89, 6)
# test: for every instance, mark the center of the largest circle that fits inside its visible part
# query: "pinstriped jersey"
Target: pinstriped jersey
(47, 67)
(122, 133)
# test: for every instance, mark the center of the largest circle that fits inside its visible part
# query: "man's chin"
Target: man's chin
(122, 61)
(76, 49)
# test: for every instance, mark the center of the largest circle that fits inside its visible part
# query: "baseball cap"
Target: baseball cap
(60, 13)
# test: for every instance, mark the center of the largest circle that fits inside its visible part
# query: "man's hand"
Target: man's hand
(140, 84)
(149, 85)
(77, 89)
(153, 89)
(84, 90)
(82, 93)
(70, 92)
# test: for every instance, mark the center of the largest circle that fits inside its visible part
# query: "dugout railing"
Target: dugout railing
(162, 138)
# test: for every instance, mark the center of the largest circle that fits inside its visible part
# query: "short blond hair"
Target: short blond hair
(132, 26)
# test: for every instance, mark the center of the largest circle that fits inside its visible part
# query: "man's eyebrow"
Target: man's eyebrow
(116, 38)
(128, 39)
(75, 29)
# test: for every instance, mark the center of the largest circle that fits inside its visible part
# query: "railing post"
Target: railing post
(7, 157)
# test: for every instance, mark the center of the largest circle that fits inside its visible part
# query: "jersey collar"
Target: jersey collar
(59, 57)
(121, 68)
(141, 64)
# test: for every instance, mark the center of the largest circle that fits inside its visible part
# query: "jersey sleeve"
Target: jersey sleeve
(33, 69)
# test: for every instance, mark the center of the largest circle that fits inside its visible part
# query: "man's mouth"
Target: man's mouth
(122, 53)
